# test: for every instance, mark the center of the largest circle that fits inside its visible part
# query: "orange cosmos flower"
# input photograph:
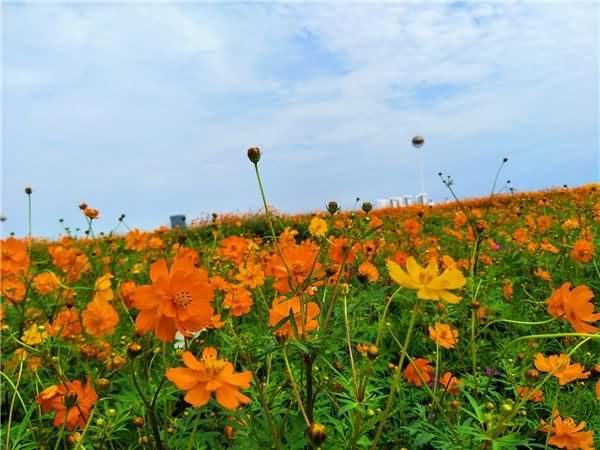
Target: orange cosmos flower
(507, 289)
(91, 213)
(368, 271)
(598, 389)
(412, 226)
(155, 243)
(567, 435)
(300, 261)
(574, 306)
(210, 374)
(418, 372)
(238, 301)
(430, 285)
(14, 256)
(450, 383)
(444, 335)
(341, 252)
(136, 240)
(12, 288)
(560, 366)
(583, 251)
(177, 300)
(548, 247)
(65, 324)
(127, 291)
(45, 282)
(251, 275)
(281, 308)
(99, 318)
(234, 248)
(71, 401)
(542, 274)
(532, 395)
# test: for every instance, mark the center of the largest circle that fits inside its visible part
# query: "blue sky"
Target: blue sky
(147, 108)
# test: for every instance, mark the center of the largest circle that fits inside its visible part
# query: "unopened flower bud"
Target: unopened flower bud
(367, 207)
(372, 352)
(332, 207)
(28, 190)
(316, 433)
(254, 154)
(134, 349)
(138, 421)
(102, 384)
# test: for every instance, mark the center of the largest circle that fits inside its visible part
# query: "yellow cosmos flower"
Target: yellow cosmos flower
(429, 283)
(317, 227)
(33, 335)
(103, 289)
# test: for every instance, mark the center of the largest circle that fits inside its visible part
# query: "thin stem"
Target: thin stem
(295, 387)
(265, 406)
(437, 366)
(349, 343)
(12, 403)
(552, 416)
(270, 222)
(395, 379)
(149, 409)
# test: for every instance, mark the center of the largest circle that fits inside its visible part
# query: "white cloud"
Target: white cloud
(159, 98)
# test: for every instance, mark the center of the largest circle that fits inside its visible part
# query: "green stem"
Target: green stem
(295, 387)
(396, 379)
(149, 409)
(12, 404)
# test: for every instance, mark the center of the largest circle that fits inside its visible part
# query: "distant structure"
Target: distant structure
(178, 221)
(406, 200)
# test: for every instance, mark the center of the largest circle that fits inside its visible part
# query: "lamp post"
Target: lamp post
(417, 143)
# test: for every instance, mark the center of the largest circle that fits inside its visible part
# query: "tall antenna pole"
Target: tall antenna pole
(417, 143)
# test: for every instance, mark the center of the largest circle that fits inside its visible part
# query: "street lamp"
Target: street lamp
(417, 143)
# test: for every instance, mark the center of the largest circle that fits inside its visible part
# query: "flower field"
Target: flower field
(467, 325)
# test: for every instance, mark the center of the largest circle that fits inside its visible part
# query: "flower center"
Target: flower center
(182, 299)
(425, 278)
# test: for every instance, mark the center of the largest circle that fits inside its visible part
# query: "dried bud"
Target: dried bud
(134, 349)
(332, 207)
(372, 352)
(28, 190)
(83, 206)
(533, 374)
(367, 207)
(138, 421)
(480, 227)
(316, 433)
(254, 154)
(74, 438)
(475, 304)
(102, 384)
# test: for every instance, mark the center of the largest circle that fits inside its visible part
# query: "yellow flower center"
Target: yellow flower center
(425, 278)
(182, 299)
(213, 366)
